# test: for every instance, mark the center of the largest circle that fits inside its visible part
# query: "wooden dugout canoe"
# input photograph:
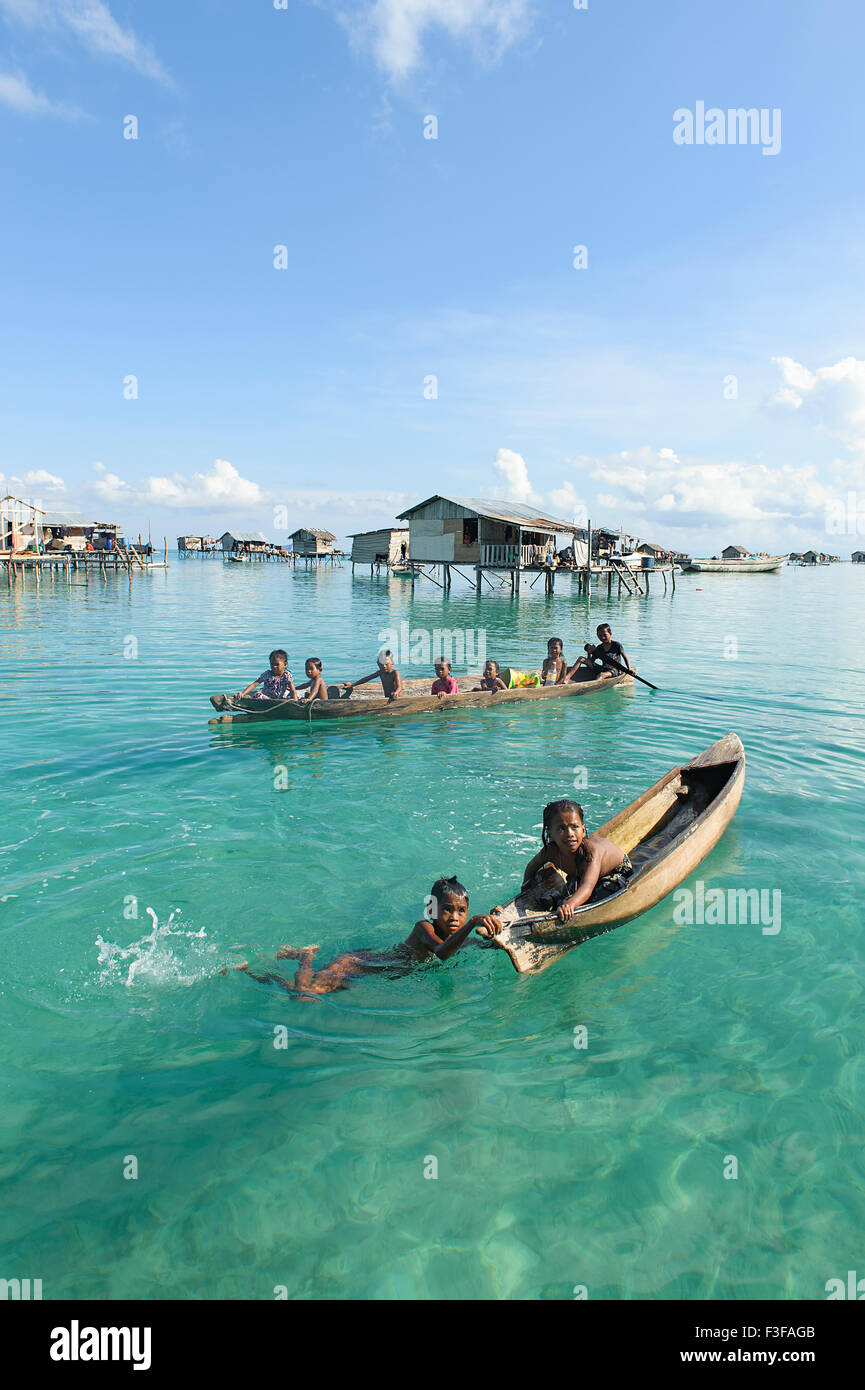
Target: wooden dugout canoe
(416, 700)
(666, 833)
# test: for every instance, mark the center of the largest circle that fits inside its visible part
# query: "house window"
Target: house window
(470, 533)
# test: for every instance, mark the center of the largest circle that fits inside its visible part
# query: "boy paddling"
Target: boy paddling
(603, 658)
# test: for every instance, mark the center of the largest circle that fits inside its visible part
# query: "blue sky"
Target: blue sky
(603, 390)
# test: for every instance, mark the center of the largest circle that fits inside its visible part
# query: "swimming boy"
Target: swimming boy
(276, 684)
(441, 933)
(555, 668)
(444, 683)
(585, 863)
(492, 678)
(595, 660)
(391, 680)
(314, 684)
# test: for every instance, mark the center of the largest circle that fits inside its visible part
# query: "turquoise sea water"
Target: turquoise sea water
(303, 1166)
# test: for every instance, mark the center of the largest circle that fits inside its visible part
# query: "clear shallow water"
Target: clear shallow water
(304, 1166)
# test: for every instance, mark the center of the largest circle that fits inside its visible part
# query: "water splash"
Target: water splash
(154, 958)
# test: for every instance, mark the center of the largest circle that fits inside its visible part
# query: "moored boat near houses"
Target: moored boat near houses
(734, 559)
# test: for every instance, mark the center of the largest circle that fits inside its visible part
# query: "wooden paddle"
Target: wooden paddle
(611, 661)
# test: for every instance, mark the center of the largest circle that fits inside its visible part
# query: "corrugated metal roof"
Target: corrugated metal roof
(66, 519)
(245, 536)
(379, 531)
(313, 531)
(496, 509)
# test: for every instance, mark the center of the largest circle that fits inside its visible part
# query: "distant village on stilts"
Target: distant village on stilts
(485, 542)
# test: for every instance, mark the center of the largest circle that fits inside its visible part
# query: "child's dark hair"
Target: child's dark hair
(603, 627)
(555, 639)
(313, 661)
(554, 809)
(442, 661)
(279, 652)
(494, 663)
(448, 888)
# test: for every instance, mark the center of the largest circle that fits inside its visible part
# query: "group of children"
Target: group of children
(571, 866)
(568, 870)
(604, 658)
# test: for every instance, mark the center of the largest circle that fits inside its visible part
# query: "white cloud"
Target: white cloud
(833, 399)
(37, 478)
(222, 487)
(568, 505)
(16, 93)
(796, 379)
(396, 30)
(515, 485)
(40, 477)
(663, 489)
(93, 24)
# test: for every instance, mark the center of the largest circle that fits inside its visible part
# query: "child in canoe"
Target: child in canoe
(314, 684)
(573, 861)
(440, 934)
(492, 678)
(595, 661)
(391, 680)
(555, 668)
(444, 683)
(276, 684)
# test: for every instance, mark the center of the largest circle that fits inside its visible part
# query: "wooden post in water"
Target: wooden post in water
(589, 557)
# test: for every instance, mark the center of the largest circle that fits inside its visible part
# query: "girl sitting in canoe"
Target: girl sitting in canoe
(276, 684)
(314, 684)
(573, 861)
(491, 678)
(444, 683)
(555, 668)
(440, 933)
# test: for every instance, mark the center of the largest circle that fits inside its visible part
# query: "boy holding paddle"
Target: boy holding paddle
(606, 658)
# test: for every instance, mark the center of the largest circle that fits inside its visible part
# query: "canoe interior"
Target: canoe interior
(650, 831)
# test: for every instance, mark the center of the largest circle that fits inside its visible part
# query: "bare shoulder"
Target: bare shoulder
(607, 851)
(422, 936)
(536, 861)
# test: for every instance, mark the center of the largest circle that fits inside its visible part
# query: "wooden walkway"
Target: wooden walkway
(54, 563)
